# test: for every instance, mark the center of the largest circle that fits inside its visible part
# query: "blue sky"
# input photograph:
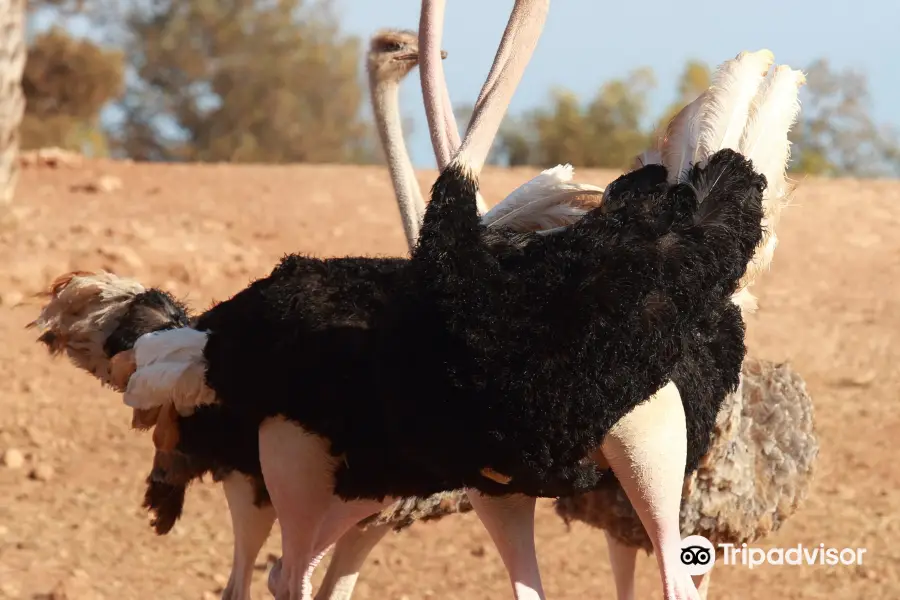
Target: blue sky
(587, 42)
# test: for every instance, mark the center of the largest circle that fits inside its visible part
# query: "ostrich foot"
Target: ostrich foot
(647, 451)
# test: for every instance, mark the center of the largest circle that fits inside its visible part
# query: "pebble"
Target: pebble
(13, 458)
(42, 473)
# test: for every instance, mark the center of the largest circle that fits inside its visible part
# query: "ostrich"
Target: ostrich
(94, 317)
(495, 375)
(744, 514)
(776, 105)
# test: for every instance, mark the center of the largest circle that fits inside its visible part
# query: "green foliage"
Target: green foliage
(605, 133)
(243, 81)
(276, 81)
(837, 134)
(67, 82)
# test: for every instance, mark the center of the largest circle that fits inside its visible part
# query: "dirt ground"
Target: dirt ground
(70, 518)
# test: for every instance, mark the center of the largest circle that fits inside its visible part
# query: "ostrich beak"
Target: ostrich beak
(414, 56)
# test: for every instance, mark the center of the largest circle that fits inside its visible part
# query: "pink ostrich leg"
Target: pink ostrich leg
(647, 450)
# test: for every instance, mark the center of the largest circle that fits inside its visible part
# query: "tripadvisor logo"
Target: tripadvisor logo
(698, 555)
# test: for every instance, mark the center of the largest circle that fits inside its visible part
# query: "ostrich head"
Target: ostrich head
(393, 53)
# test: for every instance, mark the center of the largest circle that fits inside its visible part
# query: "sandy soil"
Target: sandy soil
(70, 518)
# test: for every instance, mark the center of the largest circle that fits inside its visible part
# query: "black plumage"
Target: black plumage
(510, 351)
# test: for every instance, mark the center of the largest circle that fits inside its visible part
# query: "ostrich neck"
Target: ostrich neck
(386, 105)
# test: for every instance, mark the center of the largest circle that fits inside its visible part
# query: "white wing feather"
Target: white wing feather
(169, 368)
(544, 201)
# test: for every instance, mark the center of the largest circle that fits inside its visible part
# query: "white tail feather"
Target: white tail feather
(547, 200)
(680, 142)
(724, 112)
(765, 142)
(745, 111)
(170, 368)
(765, 139)
(647, 157)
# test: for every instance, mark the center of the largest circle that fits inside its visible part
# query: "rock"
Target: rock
(103, 185)
(42, 473)
(13, 458)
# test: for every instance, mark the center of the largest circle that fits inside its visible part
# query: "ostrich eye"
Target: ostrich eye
(391, 46)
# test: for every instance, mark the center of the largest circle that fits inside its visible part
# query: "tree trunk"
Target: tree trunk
(12, 101)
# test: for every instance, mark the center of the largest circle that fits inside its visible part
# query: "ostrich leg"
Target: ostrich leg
(623, 559)
(251, 525)
(647, 450)
(702, 583)
(509, 521)
(350, 553)
(312, 518)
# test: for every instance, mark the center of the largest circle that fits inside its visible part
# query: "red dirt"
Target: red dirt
(830, 306)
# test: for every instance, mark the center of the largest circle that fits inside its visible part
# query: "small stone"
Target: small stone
(42, 473)
(58, 592)
(104, 185)
(13, 458)
(109, 183)
(478, 551)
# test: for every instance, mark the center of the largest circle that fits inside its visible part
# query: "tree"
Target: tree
(513, 146)
(605, 133)
(836, 134)
(12, 101)
(242, 80)
(67, 82)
